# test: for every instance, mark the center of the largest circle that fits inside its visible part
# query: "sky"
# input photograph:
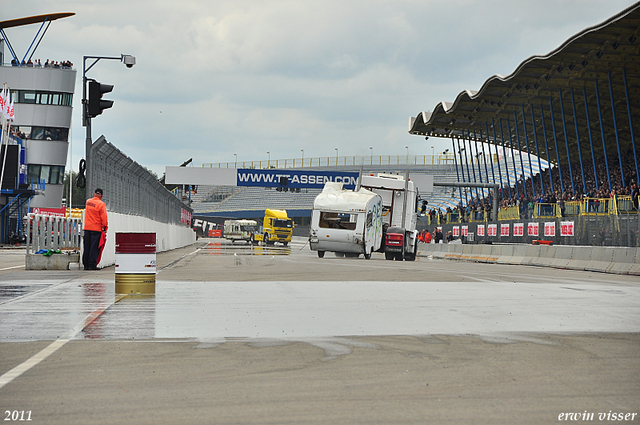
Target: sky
(226, 79)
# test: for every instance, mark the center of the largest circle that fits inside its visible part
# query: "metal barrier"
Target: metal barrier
(46, 232)
(130, 189)
(509, 213)
(590, 230)
(596, 206)
(545, 210)
(624, 205)
(571, 209)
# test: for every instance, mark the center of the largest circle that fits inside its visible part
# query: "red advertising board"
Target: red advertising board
(533, 229)
(56, 212)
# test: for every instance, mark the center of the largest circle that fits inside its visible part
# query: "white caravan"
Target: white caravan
(346, 222)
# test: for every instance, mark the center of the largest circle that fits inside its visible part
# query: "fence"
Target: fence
(45, 232)
(132, 190)
(603, 230)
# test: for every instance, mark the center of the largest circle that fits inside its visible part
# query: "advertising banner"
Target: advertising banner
(504, 229)
(480, 229)
(465, 230)
(295, 178)
(55, 212)
(518, 229)
(566, 228)
(456, 231)
(550, 228)
(533, 229)
(493, 229)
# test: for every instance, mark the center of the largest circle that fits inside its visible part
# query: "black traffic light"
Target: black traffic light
(96, 103)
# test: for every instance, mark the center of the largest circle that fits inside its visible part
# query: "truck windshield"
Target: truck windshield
(282, 223)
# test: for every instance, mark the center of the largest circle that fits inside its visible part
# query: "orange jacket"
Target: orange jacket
(95, 215)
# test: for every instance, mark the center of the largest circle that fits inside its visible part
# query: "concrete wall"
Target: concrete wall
(619, 260)
(168, 236)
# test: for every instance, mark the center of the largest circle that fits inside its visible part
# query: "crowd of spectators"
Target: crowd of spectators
(525, 197)
(47, 64)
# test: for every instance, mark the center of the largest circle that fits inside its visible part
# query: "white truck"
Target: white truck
(399, 214)
(240, 230)
(346, 222)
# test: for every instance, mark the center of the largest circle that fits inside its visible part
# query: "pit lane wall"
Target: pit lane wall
(617, 260)
(168, 236)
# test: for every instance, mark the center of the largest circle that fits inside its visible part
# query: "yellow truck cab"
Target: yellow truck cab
(276, 227)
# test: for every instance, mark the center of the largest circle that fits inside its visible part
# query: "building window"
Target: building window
(42, 133)
(51, 174)
(42, 97)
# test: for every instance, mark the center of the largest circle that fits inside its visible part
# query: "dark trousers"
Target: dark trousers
(91, 249)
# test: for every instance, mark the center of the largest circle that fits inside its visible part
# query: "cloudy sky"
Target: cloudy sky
(245, 77)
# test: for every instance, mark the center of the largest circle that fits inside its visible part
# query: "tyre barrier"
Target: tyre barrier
(616, 260)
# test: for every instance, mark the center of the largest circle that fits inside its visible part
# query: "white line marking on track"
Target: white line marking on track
(10, 268)
(55, 345)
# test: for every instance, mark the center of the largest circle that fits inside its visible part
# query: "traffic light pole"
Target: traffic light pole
(129, 61)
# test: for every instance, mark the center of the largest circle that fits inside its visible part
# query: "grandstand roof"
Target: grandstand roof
(603, 56)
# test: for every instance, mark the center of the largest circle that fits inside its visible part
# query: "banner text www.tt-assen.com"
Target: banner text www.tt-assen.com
(301, 179)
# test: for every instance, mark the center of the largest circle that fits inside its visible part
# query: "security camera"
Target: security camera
(129, 60)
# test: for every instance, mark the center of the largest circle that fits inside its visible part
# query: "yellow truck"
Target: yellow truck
(276, 227)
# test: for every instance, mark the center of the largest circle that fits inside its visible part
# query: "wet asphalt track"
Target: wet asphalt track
(240, 334)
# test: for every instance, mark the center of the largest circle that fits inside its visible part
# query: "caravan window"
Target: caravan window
(330, 220)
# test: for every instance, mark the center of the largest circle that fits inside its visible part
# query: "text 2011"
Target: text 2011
(17, 415)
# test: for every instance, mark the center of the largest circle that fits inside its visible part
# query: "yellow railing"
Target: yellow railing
(545, 210)
(623, 205)
(509, 213)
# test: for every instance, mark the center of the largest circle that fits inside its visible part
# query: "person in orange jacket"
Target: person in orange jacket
(95, 222)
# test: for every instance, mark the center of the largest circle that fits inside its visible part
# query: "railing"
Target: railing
(52, 233)
(623, 205)
(541, 210)
(509, 213)
(618, 205)
(440, 159)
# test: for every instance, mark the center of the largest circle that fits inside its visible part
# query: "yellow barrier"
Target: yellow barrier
(623, 205)
(509, 213)
(74, 212)
(541, 210)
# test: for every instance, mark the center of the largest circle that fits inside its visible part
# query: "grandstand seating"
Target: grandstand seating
(216, 199)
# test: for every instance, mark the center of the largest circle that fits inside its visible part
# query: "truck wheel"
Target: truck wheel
(367, 256)
(320, 254)
(265, 239)
(285, 243)
(412, 255)
(389, 255)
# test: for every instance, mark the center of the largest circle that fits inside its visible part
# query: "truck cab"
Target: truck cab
(276, 227)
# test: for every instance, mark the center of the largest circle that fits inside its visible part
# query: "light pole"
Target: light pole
(371, 150)
(236, 159)
(129, 61)
(336, 157)
(407, 160)
(269, 162)
(302, 150)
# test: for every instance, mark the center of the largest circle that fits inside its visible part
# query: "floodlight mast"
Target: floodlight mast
(129, 61)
